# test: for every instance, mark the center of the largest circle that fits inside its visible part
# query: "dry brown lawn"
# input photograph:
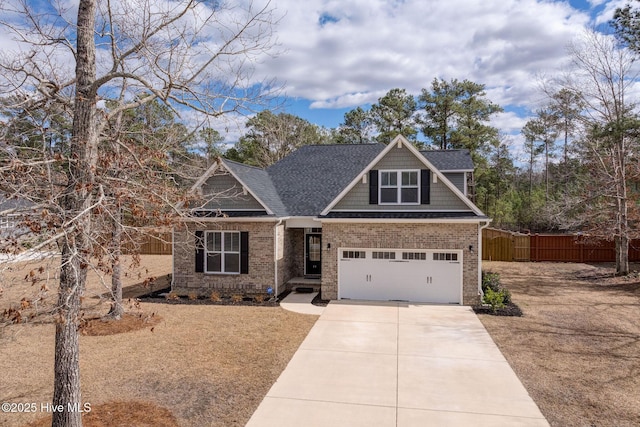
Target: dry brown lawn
(577, 347)
(198, 365)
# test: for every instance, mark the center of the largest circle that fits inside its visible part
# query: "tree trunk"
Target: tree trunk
(546, 172)
(76, 246)
(622, 256)
(622, 242)
(66, 389)
(117, 310)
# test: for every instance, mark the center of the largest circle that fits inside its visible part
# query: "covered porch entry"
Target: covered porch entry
(307, 251)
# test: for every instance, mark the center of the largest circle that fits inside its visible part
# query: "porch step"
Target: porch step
(304, 282)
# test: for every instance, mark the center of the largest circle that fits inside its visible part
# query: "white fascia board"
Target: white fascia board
(203, 178)
(303, 222)
(233, 219)
(399, 210)
(397, 142)
(456, 170)
(245, 186)
(220, 162)
(392, 221)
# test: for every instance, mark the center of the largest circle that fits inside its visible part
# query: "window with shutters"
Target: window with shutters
(399, 187)
(222, 252)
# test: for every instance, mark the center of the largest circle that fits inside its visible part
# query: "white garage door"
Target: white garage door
(400, 275)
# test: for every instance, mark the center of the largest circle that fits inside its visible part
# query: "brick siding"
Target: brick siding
(261, 262)
(402, 236)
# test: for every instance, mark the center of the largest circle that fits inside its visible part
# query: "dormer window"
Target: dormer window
(399, 187)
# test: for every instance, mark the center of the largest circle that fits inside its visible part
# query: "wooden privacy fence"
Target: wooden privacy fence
(152, 244)
(500, 245)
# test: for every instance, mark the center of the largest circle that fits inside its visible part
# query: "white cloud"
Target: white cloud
(609, 9)
(343, 53)
(508, 122)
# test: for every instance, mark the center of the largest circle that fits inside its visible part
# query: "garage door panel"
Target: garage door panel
(425, 278)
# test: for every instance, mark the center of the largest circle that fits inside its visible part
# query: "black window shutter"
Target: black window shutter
(199, 251)
(425, 187)
(373, 187)
(244, 252)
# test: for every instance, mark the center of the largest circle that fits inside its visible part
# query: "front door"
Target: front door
(313, 254)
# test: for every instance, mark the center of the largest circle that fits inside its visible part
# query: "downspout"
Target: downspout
(481, 227)
(275, 255)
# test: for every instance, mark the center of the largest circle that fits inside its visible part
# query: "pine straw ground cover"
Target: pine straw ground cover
(186, 365)
(577, 347)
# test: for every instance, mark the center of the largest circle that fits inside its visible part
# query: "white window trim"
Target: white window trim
(8, 221)
(398, 187)
(222, 252)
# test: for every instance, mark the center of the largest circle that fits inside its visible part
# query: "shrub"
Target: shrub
(192, 296)
(215, 296)
(237, 298)
(259, 298)
(494, 299)
(491, 281)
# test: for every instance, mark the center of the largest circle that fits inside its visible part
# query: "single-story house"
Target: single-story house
(367, 221)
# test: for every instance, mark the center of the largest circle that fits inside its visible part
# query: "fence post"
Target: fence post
(581, 249)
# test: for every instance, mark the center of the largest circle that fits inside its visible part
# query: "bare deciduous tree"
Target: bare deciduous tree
(602, 77)
(93, 65)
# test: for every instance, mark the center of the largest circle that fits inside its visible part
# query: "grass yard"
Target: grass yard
(577, 347)
(198, 365)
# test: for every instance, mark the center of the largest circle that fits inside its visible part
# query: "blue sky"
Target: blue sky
(342, 54)
(335, 55)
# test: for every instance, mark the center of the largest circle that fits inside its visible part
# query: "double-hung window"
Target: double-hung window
(399, 187)
(222, 252)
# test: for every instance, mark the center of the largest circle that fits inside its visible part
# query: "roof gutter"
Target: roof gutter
(405, 220)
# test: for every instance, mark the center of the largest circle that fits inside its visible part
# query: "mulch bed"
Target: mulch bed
(317, 300)
(100, 326)
(161, 296)
(510, 309)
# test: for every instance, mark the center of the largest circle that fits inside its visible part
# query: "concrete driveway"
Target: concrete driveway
(397, 364)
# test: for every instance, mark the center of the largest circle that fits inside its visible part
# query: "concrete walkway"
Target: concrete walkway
(301, 303)
(397, 364)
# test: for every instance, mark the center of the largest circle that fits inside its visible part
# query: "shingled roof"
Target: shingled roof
(307, 180)
(259, 181)
(13, 203)
(449, 160)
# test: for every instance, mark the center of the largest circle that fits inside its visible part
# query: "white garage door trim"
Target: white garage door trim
(415, 275)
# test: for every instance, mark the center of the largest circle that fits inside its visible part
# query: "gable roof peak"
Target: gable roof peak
(400, 141)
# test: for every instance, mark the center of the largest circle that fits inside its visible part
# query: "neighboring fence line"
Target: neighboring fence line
(500, 245)
(153, 244)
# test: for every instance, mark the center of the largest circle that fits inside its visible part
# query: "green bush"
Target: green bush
(491, 281)
(494, 299)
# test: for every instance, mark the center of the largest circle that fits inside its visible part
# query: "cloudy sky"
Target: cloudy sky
(339, 54)
(335, 55)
